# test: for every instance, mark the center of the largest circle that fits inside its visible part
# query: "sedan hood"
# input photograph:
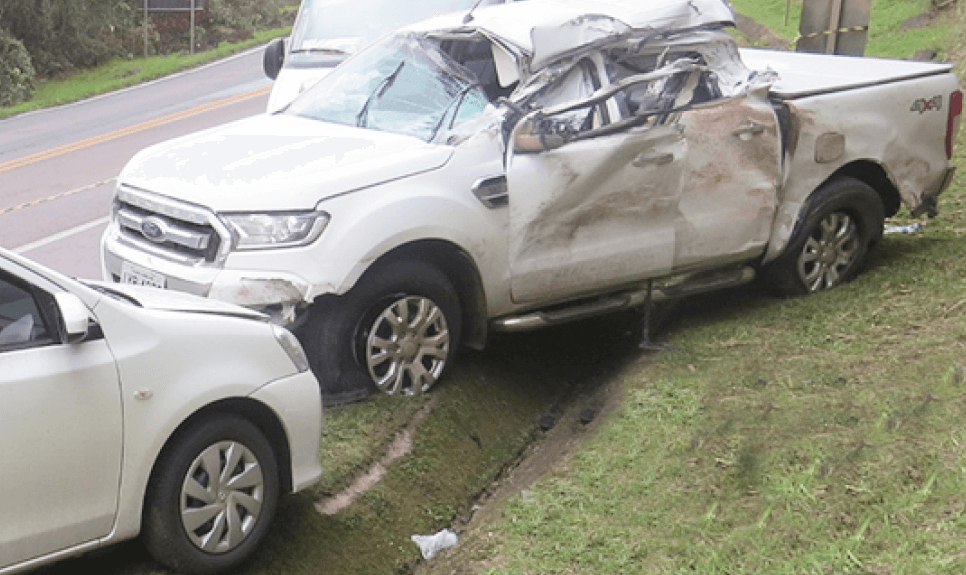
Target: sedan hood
(274, 162)
(169, 300)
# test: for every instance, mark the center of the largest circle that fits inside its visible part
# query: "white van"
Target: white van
(326, 32)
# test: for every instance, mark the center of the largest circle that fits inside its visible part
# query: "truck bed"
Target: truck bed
(804, 74)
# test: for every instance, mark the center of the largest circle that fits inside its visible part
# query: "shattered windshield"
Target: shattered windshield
(337, 28)
(403, 84)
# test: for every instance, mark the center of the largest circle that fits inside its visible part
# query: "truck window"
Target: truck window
(674, 81)
(577, 84)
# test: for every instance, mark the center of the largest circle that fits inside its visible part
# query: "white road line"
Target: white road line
(59, 236)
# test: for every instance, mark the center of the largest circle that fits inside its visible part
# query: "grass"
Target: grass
(124, 72)
(886, 36)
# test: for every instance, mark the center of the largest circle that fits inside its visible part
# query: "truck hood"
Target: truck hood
(276, 162)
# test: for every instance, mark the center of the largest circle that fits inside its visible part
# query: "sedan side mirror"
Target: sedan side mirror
(74, 318)
(274, 58)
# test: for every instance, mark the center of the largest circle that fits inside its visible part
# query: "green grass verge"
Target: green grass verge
(886, 37)
(121, 73)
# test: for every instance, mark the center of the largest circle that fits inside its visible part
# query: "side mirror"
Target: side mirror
(533, 135)
(74, 317)
(274, 58)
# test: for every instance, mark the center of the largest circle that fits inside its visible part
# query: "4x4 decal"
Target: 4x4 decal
(923, 105)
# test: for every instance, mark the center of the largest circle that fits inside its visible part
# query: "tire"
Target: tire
(396, 331)
(194, 524)
(842, 220)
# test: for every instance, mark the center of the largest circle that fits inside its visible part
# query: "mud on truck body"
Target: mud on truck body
(529, 164)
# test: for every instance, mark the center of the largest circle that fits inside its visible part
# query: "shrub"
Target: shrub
(16, 71)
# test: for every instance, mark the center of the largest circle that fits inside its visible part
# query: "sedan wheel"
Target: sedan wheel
(222, 496)
(212, 495)
(407, 346)
(829, 252)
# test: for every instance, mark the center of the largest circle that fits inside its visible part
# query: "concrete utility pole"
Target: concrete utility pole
(191, 50)
(145, 28)
(834, 26)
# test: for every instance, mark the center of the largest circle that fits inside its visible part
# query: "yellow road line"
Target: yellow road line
(67, 148)
(39, 201)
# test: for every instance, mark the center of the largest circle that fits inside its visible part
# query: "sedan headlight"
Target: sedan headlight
(292, 347)
(275, 230)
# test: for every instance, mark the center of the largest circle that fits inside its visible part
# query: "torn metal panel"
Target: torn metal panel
(551, 43)
(648, 62)
(517, 22)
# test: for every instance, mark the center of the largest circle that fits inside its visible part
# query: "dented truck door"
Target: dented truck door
(590, 207)
(731, 181)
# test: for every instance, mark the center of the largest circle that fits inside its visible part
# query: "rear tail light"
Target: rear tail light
(955, 110)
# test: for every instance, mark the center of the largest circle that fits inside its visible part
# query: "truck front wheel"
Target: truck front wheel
(396, 331)
(844, 218)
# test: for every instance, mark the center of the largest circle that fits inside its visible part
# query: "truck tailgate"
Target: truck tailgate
(804, 74)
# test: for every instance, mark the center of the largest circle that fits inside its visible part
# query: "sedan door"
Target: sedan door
(60, 428)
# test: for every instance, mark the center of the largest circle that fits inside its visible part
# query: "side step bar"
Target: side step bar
(674, 287)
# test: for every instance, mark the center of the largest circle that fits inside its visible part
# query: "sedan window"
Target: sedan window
(21, 323)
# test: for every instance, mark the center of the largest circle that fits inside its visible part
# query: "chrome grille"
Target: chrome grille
(169, 228)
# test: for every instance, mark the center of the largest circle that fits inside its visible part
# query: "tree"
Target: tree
(62, 35)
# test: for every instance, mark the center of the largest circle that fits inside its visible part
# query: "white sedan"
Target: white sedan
(127, 411)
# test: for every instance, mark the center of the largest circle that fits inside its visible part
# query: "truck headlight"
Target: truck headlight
(275, 230)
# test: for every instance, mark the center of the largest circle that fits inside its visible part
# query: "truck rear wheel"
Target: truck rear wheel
(396, 331)
(830, 244)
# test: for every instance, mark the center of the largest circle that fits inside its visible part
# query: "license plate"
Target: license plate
(136, 275)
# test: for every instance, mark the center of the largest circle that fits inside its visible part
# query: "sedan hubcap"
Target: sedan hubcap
(222, 496)
(407, 346)
(829, 252)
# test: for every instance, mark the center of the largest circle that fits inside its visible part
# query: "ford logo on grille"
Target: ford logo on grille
(154, 229)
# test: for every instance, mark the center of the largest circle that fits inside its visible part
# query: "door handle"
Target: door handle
(644, 159)
(748, 131)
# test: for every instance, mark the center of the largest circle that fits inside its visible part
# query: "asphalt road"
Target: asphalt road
(58, 166)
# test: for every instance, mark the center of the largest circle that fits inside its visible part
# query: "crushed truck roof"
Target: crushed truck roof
(545, 30)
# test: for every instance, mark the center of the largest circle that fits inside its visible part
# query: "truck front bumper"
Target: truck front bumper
(280, 295)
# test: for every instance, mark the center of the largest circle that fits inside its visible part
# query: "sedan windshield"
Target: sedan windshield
(404, 84)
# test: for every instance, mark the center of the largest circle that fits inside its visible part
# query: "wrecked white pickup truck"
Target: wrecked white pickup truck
(529, 164)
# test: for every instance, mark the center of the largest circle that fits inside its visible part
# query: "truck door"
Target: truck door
(593, 201)
(731, 178)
